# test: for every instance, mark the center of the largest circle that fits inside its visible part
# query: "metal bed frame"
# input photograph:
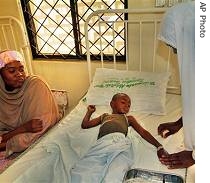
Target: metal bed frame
(138, 19)
(13, 36)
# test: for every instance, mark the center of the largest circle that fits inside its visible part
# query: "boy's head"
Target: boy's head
(120, 103)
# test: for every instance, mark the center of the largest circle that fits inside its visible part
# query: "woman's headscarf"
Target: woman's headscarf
(9, 56)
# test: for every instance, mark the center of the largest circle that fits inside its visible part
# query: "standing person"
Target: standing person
(111, 153)
(27, 106)
(178, 31)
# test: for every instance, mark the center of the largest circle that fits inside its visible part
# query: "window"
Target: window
(56, 27)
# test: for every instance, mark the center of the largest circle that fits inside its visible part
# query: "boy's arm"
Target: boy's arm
(148, 137)
(144, 133)
(87, 123)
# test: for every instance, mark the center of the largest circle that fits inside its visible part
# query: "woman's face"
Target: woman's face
(13, 75)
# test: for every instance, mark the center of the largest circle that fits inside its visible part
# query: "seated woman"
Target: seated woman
(27, 106)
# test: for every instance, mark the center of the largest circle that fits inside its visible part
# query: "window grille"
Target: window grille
(56, 27)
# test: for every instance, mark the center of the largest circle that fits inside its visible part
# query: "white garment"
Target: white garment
(178, 30)
(188, 82)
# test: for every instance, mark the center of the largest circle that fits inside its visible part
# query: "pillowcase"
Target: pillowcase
(147, 90)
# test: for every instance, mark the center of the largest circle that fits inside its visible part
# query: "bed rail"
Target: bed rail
(13, 36)
(138, 33)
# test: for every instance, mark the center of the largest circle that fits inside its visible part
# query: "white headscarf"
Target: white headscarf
(9, 56)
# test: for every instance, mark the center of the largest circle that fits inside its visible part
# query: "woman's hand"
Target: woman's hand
(170, 128)
(181, 159)
(34, 125)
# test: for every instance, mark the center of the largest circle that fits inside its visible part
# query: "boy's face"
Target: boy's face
(121, 105)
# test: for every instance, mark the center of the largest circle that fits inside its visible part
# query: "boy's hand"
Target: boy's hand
(91, 108)
(162, 153)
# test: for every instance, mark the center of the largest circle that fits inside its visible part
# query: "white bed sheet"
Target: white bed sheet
(51, 159)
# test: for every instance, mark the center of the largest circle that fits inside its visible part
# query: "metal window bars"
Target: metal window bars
(56, 28)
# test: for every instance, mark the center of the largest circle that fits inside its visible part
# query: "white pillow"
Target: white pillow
(147, 90)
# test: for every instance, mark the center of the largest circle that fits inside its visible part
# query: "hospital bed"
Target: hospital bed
(149, 75)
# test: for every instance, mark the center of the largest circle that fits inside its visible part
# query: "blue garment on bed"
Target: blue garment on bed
(106, 161)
